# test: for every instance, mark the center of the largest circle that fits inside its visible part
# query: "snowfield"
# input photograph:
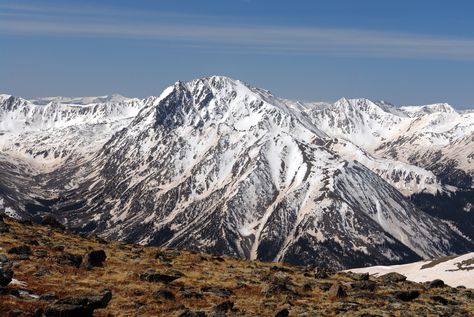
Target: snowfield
(454, 271)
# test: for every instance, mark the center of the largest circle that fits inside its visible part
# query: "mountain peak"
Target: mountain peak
(114, 98)
(428, 109)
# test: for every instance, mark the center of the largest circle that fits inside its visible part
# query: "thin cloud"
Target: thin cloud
(31, 20)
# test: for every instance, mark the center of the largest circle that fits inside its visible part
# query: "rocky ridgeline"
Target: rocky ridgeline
(45, 271)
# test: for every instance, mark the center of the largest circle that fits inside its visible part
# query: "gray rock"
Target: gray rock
(68, 310)
(358, 276)
(90, 300)
(218, 291)
(363, 285)
(337, 291)
(392, 277)
(155, 277)
(69, 259)
(49, 296)
(321, 273)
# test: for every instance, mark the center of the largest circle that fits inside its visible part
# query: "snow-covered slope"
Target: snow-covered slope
(46, 134)
(453, 270)
(219, 166)
(434, 137)
(360, 121)
(408, 179)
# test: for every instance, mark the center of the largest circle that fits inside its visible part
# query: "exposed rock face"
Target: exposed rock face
(216, 165)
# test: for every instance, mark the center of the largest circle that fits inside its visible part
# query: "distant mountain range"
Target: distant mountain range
(216, 165)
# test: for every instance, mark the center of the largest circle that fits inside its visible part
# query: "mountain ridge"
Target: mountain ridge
(217, 165)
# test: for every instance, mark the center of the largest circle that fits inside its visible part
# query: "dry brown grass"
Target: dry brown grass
(247, 280)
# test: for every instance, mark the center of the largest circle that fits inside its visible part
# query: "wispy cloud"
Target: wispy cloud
(215, 32)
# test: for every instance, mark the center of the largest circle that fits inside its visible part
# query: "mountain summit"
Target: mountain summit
(219, 166)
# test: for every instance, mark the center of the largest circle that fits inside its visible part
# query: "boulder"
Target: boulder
(392, 277)
(68, 310)
(224, 306)
(278, 283)
(15, 313)
(363, 285)
(323, 286)
(155, 277)
(358, 276)
(160, 255)
(52, 222)
(443, 301)
(90, 300)
(69, 259)
(165, 294)
(9, 291)
(58, 247)
(48, 296)
(406, 296)
(95, 258)
(4, 228)
(6, 276)
(218, 291)
(20, 250)
(283, 313)
(336, 291)
(436, 284)
(42, 271)
(31, 242)
(40, 254)
(38, 312)
(321, 273)
(190, 313)
(279, 269)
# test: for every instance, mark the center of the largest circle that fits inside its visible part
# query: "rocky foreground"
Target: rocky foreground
(45, 271)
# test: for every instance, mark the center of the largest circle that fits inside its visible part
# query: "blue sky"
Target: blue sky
(405, 52)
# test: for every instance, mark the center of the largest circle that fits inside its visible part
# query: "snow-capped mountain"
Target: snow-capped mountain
(47, 134)
(434, 137)
(219, 166)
